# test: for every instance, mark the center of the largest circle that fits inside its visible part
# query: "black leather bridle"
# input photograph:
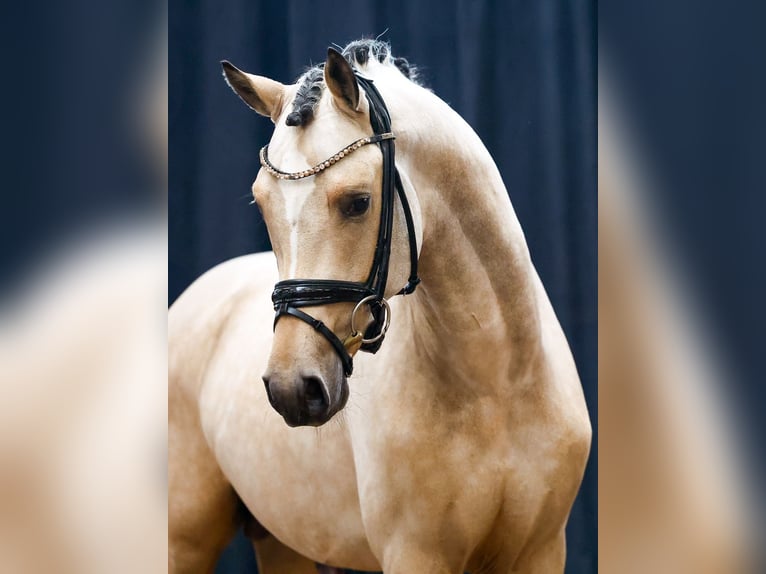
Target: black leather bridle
(292, 294)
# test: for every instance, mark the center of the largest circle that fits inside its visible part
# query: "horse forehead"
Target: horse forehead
(326, 133)
(288, 149)
(295, 149)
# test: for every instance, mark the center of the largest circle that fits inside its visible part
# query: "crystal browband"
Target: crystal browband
(267, 165)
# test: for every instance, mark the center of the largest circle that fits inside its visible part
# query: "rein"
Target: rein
(292, 294)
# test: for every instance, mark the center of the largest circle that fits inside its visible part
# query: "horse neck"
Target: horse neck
(476, 312)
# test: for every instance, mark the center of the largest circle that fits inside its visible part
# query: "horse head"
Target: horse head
(344, 231)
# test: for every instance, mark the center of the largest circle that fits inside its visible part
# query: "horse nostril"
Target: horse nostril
(314, 393)
(268, 389)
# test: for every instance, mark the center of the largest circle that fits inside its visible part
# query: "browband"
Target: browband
(291, 294)
(268, 166)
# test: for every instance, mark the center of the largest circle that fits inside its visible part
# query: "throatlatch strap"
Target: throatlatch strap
(413, 280)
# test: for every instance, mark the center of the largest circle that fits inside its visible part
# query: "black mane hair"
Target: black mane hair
(307, 97)
(357, 53)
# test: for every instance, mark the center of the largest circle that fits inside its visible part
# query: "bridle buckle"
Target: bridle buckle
(353, 343)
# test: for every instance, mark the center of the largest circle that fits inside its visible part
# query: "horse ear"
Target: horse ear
(340, 79)
(261, 94)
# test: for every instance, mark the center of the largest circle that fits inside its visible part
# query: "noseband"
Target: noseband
(292, 294)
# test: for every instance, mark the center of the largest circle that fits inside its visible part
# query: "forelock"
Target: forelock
(311, 84)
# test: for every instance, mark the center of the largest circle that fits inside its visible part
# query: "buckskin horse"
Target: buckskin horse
(457, 438)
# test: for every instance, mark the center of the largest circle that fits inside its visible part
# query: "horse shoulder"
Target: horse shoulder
(551, 427)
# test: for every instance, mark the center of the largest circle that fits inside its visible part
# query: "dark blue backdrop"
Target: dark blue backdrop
(523, 74)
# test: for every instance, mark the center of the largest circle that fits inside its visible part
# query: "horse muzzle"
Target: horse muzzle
(305, 400)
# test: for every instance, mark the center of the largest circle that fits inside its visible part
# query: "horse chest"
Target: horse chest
(422, 466)
(335, 491)
(404, 456)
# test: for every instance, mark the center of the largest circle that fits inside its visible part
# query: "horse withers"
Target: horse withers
(458, 441)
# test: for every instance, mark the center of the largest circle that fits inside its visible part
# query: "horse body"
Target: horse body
(464, 438)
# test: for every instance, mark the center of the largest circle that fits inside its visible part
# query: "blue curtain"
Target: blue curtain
(523, 74)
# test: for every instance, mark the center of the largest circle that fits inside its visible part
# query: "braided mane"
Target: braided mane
(357, 53)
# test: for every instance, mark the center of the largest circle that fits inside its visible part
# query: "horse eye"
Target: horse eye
(356, 206)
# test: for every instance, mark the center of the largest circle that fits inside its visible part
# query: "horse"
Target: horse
(458, 442)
